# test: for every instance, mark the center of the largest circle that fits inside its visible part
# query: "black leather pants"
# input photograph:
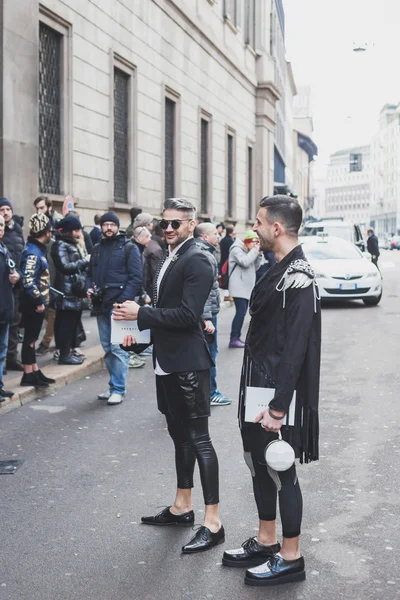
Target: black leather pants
(179, 394)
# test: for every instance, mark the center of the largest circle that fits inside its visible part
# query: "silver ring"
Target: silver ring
(263, 426)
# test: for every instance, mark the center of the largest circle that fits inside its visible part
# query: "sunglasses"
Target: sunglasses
(175, 223)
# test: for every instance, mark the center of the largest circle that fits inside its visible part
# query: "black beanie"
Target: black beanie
(109, 216)
(69, 223)
(5, 202)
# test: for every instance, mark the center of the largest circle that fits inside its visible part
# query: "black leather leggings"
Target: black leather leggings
(192, 441)
(268, 484)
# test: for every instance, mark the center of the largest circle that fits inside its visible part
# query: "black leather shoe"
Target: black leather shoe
(165, 517)
(15, 365)
(42, 377)
(5, 394)
(70, 360)
(275, 571)
(203, 540)
(29, 379)
(251, 554)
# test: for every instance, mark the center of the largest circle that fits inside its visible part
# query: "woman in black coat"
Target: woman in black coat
(70, 283)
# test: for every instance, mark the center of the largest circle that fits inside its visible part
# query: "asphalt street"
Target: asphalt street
(70, 515)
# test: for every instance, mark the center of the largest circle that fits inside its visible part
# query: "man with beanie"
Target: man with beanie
(34, 296)
(114, 275)
(244, 260)
(70, 280)
(14, 241)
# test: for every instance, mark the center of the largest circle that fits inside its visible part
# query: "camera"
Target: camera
(97, 296)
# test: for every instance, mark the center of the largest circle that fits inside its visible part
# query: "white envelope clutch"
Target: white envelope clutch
(119, 329)
(258, 399)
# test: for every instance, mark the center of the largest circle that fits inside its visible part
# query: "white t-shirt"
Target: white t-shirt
(158, 370)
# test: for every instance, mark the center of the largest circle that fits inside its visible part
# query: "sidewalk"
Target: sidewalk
(63, 374)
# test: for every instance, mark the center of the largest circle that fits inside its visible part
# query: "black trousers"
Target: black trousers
(33, 322)
(12, 350)
(65, 330)
(269, 484)
(184, 398)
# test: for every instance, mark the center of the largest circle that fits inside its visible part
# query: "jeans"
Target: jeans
(3, 349)
(115, 358)
(241, 305)
(213, 347)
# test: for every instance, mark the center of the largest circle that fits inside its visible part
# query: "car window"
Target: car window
(331, 251)
(307, 231)
(338, 231)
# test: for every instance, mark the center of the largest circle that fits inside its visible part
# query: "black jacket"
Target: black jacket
(175, 319)
(6, 295)
(70, 267)
(283, 347)
(95, 235)
(373, 245)
(14, 241)
(35, 275)
(225, 245)
(116, 268)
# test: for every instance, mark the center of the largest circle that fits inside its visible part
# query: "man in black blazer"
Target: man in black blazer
(182, 365)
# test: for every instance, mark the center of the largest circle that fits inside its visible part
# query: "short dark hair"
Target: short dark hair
(181, 204)
(97, 218)
(229, 230)
(49, 203)
(220, 225)
(284, 209)
(370, 230)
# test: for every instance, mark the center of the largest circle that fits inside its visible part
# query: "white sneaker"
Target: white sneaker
(115, 398)
(104, 396)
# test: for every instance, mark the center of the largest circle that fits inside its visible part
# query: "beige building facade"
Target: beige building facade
(122, 103)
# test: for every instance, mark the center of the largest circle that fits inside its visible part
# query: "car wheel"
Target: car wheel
(372, 301)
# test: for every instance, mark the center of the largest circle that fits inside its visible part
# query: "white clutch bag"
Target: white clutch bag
(279, 455)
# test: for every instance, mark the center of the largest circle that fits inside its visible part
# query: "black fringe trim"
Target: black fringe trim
(304, 436)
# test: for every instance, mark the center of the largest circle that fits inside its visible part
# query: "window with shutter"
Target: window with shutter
(50, 68)
(204, 162)
(121, 135)
(230, 174)
(250, 214)
(169, 150)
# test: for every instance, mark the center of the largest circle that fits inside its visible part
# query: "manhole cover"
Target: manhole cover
(8, 467)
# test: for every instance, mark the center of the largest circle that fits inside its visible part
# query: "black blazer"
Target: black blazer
(175, 319)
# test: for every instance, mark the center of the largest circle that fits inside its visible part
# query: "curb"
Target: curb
(63, 375)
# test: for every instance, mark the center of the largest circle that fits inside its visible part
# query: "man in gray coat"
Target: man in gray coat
(207, 239)
(244, 260)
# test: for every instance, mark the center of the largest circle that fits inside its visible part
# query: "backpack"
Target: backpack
(223, 279)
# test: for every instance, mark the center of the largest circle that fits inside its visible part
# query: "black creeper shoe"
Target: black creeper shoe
(165, 517)
(275, 571)
(251, 554)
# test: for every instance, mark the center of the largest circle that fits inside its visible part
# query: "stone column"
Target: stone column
(19, 59)
(267, 95)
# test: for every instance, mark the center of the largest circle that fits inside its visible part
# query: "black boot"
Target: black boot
(30, 380)
(42, 377)
(5, 394)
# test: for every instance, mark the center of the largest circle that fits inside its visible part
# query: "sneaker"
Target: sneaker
(104, 396)
(42, 350)
(115, 398)
(236, 343)
(78, 352)
(219, 400)
(135, 362)
(56, 355)
(147, 352)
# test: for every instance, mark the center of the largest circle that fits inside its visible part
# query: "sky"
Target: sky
(348, 88)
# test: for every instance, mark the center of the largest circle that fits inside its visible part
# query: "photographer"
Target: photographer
(114, 275)
(70, 280)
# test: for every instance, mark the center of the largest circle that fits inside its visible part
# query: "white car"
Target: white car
(342, 271)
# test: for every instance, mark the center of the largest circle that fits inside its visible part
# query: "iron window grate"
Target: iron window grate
(121, 136)
(169, 183)
(50, 47)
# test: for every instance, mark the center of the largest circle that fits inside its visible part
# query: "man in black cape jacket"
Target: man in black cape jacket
(282, 352)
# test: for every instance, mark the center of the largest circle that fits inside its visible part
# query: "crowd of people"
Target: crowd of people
(166, 275)
(63, 270)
